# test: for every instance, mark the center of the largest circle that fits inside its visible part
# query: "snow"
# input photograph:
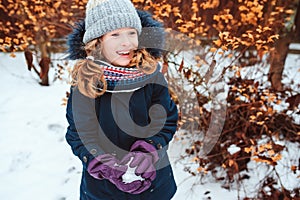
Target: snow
(232, 149)
(294, 46)
(130, 175)
(37, 163)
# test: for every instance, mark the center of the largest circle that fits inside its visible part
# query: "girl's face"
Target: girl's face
(118, 46)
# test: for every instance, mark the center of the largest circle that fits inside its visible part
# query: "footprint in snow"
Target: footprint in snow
(57, 129)
(20, 161)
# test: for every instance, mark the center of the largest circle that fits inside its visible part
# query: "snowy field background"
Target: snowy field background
(37, 163)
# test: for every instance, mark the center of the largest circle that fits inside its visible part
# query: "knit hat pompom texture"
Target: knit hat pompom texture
(103, 16)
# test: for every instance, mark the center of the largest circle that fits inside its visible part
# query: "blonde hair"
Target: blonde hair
(89, 76)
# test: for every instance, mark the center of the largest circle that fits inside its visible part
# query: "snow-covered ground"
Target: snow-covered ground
(36, 162)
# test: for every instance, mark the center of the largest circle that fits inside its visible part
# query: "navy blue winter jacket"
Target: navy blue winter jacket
(127, 112)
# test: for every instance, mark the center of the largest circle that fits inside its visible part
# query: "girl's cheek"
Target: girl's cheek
(134, 42)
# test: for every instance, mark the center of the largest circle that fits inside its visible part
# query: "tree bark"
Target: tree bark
(43, 62)
(278, 56)
(297, 24)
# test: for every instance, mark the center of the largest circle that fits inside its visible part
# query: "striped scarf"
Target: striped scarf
(122, 79)
(114, 74)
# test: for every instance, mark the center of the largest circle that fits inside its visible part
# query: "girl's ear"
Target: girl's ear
(92, 48)
(99, 40)
(99, 43)
(98, 48)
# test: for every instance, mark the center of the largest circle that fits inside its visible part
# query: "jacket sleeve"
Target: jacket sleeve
(162, 97)
(82, 132)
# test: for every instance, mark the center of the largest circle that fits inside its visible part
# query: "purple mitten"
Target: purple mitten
(106, 166)
(135, 187)
(141, 145)
(144, 157)
(130, 183)
(143, 164)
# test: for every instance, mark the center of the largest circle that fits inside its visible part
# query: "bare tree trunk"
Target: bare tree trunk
(297, 24)
(44, 62)
(278, 56)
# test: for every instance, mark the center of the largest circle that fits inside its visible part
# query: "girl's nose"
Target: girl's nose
(125, 41)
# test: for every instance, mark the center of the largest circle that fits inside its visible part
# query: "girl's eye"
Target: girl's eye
(132, 33)
(115, 34)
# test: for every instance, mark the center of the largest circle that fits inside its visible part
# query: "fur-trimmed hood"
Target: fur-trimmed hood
(152, 37)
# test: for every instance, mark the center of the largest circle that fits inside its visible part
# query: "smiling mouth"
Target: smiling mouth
(123, 53)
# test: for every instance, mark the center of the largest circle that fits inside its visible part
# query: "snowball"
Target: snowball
(129, 175)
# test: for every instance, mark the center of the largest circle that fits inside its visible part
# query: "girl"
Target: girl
(120, 114)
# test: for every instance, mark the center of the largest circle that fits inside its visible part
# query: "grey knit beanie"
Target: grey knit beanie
(103, 16)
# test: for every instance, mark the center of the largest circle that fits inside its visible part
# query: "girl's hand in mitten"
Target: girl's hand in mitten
(142, 163)
(143, 156)
(142, 146)
(106, 166)
(131, 183)
(135, 187)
